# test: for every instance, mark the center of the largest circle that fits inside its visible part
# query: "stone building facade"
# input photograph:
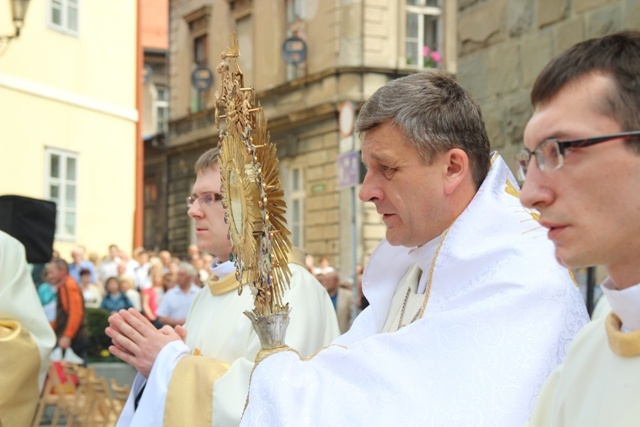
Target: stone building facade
(503, 45)
(495, 47)
(353, 48)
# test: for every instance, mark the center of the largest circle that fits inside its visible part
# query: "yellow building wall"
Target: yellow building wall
(75, 94)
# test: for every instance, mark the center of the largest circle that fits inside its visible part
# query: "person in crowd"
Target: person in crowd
(204, 380)
(141, 271)
(129, 289)
(176, 302)
(80, 263)
(151, 296)
(26, 339)
(127, 266)
(115, 299)
(581, 165)
(309, 263)
(165, 258)
(361, 302)
(70, 323)
(48, 295)
(109, 265)
(193, 252)
(324, 267)
(169, 281)
(469, 311)
(340, 298)
(90, 291)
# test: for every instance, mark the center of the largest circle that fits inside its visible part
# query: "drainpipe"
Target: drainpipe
(139, 143)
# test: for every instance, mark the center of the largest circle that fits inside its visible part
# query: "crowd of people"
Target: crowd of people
(160, 286)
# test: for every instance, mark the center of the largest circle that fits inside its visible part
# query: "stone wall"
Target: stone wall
(503, 45)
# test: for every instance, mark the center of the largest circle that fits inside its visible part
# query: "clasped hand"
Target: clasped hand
(136, 341)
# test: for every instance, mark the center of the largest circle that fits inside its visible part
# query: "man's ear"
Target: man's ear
(457, 169)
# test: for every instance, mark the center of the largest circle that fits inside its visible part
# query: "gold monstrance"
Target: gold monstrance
(253, 200)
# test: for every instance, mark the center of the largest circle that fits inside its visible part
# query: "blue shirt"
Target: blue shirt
(74, 270)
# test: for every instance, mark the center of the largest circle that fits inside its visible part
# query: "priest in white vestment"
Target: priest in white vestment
(204, 381)
(26, 337)
(469, 311)
(587, 196)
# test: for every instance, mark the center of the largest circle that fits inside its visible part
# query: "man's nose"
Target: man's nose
(195, 210)
(369, 192)
(535, 191)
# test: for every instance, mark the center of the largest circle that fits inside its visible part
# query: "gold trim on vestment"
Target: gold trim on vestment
(20, 361)
(187, 405)
(221, 287)
(624, 344)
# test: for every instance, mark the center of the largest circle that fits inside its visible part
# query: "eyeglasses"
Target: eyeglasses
(550, 153)
(207, 198)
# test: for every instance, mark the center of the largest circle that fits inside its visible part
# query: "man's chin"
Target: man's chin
(572, 261)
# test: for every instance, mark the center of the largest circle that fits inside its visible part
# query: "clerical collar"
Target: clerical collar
(223, 269)
(422, 257)
(624, 303)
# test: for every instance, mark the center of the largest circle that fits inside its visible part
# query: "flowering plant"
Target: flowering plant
(430, 59)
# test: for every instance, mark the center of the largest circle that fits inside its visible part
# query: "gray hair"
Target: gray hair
(190, 269)
(435, 115)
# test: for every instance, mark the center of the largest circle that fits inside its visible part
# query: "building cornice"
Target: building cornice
(55, 94)
(296, 84)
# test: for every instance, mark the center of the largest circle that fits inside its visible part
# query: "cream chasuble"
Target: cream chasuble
(26, 338)
(494, 314)
(599, 383)
(205, 381)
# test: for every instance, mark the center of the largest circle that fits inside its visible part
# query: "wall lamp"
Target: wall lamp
(18, 12)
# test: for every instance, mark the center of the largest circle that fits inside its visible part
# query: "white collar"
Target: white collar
(422, 256)
(223, 269)
(625, 303)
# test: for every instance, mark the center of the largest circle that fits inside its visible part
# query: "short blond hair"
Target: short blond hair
(207, 160)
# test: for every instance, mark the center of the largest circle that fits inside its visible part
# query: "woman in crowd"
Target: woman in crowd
(115, 300)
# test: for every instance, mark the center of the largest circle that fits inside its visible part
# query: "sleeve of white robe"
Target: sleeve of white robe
(481, 366)
(19, 299)
(150, 411)
(313, 325)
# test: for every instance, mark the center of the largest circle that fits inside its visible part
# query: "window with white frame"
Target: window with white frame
(423, 33)
(63, 16)
(61, 180)
(162, 109)
(295, 205)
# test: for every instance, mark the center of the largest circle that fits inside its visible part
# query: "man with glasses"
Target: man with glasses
(204, 380)
(469, 311)
(581, 165)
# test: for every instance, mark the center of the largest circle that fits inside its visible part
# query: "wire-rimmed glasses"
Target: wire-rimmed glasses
(550, 153)
(205, 198)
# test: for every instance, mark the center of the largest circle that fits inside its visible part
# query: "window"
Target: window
(295, 204)
(63, 16)
(198, 97)
(150, 209)
(296, 10)
(61, 177)
(423, 41)
(162, 109)
(244, 32)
